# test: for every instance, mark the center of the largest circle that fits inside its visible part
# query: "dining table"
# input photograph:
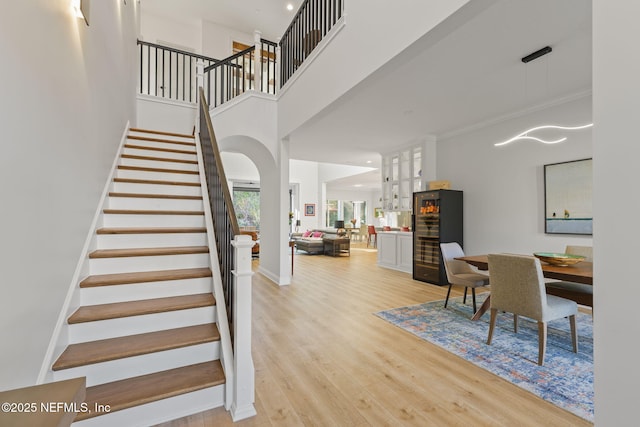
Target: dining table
(581, 272)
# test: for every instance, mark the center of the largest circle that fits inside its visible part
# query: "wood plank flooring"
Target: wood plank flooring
(323, 359)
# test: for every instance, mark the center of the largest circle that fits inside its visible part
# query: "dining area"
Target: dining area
(542, 286)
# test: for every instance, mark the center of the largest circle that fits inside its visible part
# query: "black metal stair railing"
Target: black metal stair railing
(311, 23)
(230, 77)
(169, 73)
(268, 67)
(225, 224)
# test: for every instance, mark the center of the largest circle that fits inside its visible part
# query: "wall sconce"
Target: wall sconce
(81, 9)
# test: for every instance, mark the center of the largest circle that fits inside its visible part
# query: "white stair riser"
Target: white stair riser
(114, 370)
(160, 240)
(158, 164)
(183, 190)
(103, 329)
(142, 220)
(155, 203)
(158, 144)
(160, 411)
(149, 290)
(162, 176)
(147, 263)
(162, 154)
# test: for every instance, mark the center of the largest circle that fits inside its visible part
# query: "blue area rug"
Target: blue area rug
(566, 379)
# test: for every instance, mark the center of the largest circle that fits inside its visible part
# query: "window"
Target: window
(346, 210)
(246, 202)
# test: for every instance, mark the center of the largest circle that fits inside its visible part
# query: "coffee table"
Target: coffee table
(337, 246)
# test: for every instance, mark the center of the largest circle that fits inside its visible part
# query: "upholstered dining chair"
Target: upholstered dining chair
(578, 292)
(460, 273)
(372, 235)
(517, 286)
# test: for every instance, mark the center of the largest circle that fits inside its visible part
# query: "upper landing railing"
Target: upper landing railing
(265, 66)
(169, 73)
(251, 69)
(314, 20)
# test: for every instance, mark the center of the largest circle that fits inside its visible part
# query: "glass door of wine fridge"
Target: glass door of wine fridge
(437, 218)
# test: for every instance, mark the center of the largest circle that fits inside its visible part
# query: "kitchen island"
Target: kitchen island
(395, 250)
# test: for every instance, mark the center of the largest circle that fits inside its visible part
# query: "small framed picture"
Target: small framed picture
(377, 212)
(309, 209)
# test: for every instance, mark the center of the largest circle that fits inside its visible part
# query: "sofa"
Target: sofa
(311, 240)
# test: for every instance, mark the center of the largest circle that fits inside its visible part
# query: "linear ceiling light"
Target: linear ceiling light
(524, 135)
(537, 54)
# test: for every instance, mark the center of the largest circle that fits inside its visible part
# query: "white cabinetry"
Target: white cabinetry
(395, 250)
(401, 176)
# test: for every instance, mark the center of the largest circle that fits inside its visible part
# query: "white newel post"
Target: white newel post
(199, 84)
(244, 387)
(257, 63)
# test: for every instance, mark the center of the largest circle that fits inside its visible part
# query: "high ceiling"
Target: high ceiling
(270, 17)
(470, 77)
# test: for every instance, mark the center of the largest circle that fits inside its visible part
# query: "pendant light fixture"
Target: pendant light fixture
(525, 135)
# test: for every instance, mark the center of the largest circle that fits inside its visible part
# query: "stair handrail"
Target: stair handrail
(311, 23)
(225, 223)
(232, 274)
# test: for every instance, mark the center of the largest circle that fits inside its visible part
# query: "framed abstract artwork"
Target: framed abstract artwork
(568, 199)
(309, 209)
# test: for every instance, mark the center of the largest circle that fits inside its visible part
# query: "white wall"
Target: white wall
(616, 109)
(305, 174)
(504, 186)
(238, 167)
(249, 128)
(68, 94)
(376, 31)
(217, 40)
(177, 34)
(165, 115)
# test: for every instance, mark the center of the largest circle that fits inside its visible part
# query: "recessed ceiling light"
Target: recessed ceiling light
(357, 185)
(369, 162)
(289, 6)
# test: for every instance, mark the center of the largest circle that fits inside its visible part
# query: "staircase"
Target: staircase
(145, 335)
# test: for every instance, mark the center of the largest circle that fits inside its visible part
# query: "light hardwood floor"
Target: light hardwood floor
(323, 359)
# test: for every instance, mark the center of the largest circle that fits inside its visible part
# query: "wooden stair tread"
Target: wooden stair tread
(151, 230)
(133, 252)
(159, 132)
(144, 389)
(164, 150)
(154, 196)
(144, 277)
(158, 159)
(88, 353)
(163, 170)
(168, 141)
(155, 182)
(92, 313)
(149, 212)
